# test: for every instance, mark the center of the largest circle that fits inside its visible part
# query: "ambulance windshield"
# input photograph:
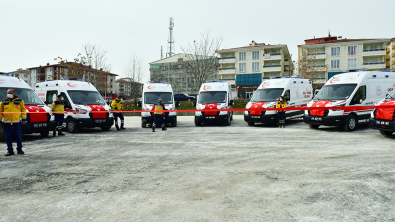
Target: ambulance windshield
(82, 97)
(335, 92)
(391, 95)
(212, 97)
(267, 95)
(28, 96)
(153, 97)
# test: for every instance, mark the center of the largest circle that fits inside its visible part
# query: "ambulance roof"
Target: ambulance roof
(214, 86)
(68, 85)
(157, 87)
(358, 77)
(283, 82)
(12, 82)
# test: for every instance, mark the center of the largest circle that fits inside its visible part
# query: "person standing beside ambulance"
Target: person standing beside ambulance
(117, 105)
(13, 113)
(158, 114)
(281, 103)
(58, 111)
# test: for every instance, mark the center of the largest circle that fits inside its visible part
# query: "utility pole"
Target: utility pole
(161, 52)
(171, 39)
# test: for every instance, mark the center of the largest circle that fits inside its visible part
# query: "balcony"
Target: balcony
(273, 56)
(374, 65)
(318, 55)
(272, 68)
(226, 60)
(373, 52)
(231, 70)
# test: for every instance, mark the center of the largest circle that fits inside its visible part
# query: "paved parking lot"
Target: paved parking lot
(209, 173)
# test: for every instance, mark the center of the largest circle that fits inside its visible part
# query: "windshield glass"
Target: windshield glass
(81, 97)
(391, 95)
(212, 97)
(267, 95)
(153, 97)
(28, 96)
(335, 92)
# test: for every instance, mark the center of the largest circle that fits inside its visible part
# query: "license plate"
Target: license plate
(316, 118)
(210, 117)
(255, 117)
(100, 121)
(382, 123)
(39, 125)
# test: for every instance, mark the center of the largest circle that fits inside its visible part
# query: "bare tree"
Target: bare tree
(136, 73)
(308, 66)
(200, 60)
(96, 57)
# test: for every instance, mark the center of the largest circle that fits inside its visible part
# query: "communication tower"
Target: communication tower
(170, 49)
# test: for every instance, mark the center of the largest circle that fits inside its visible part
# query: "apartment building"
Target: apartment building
(338, 55)
(390, 55)
(22, 74)
(103, 81)
(128, 88)
(245, 67)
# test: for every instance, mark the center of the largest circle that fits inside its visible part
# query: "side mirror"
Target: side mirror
(177, 103)
(231, 103)
(194, 102)
(360, 101)
(139, 104)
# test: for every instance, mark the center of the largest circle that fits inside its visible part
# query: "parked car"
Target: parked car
(183, 97)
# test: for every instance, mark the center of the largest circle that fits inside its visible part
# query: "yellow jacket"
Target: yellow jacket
(281, 104)
(58, 107)
(117, 105)
(12, 105)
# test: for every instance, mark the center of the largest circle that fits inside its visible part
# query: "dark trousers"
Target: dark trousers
(281, 118)
(161, 120)
(59, 119)
(10, 130)
(120, 116)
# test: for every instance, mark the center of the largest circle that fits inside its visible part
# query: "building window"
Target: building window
(255, 55)
(242, 55)
(352, 63)
(373, 60)
(242, 67)
(352, 50)
(335, 64)
(26, 76)
(335, 51)
(373, 47)
(255, 66)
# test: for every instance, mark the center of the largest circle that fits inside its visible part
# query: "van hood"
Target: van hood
(385, 113)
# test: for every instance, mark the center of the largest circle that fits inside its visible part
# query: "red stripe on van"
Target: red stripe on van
(208, 107)
(386, 113)
(36, 117)
(320, 103)
(100, 112)
(255, 108)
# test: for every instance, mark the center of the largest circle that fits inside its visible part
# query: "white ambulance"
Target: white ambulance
(348, 89)
(214, 95)
(152, 92)
(80, 98)
(39, 119)
(296, 91)
(383, 119)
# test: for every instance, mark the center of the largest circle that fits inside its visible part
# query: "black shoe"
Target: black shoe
(123, 128)
(61, 134)
(54, 133)
(10, 153)
(20, 152)
(164, 129)
(153, 130)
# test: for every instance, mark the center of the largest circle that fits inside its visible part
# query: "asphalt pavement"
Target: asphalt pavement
(207, 173)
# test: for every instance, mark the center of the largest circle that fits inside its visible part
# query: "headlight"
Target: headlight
(80, 110)
(146, 108)
(270, 107)
(248, 105)
(339, 106)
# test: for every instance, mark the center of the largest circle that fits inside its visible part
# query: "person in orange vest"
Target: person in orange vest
(158, 114)
(13, 110)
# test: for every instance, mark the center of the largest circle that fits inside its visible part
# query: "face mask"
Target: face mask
(121, 100)
(10, 96)
(62, 99)
(281, 99)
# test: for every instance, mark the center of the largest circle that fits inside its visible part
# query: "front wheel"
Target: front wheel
(251, 123)
(71, 126)
(44, 134)
(174, 123)
(106, 127)
(197, 123)
(228, 121)
(386, 133)
(143, 124)
(314, 126)
(351, 123)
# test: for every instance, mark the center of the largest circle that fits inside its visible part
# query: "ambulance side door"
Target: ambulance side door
(50, 97)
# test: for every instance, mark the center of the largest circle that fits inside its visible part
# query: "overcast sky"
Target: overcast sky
(34, 32)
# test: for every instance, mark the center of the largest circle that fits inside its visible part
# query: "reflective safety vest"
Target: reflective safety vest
(281, 104)
(8, 106)
(58, 107)
(158, 107)
(117, 105)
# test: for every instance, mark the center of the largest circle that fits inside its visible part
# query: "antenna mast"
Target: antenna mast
(161, 52)
(171, 39)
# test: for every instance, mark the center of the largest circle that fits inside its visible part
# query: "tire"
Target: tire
(2, 134)
(174, 124)
(143, 124)
(71, 126)
(44, 134)
(314, 126)
(386, 133)
(351, 123)
(105, 128)
(251, 123)
(228, 121)
(197, 123)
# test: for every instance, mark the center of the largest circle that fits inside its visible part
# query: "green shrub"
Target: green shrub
(240, 104)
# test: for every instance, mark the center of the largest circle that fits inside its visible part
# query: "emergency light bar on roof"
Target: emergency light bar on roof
(215, 81)
(157, 82)
(361, 69)
(385, 70)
